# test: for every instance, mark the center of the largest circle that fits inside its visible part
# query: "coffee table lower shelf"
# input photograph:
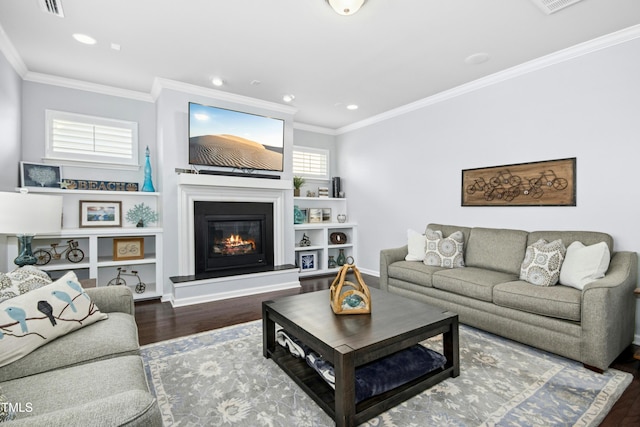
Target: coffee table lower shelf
(324, 395)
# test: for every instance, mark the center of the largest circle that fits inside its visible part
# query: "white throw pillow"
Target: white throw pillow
(30, 320)
(584, 264)
(417, 245)
(542, 263)
(444, 252)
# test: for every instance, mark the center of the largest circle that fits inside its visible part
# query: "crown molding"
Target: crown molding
(564, 55)
(160, 84)
(86, 86)
(10, 52)
(313, 128)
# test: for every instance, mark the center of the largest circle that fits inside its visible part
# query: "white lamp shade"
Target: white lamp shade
(30, 213)
(346, 7)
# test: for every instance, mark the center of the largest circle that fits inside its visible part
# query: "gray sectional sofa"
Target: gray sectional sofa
(91, 376)
(592, 326)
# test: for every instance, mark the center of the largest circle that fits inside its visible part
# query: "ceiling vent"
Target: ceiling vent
(551, 6)
(53, 7)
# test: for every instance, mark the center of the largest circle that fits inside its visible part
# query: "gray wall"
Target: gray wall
(406, 171)
(10, 105)
(305, 138)
(39, 97)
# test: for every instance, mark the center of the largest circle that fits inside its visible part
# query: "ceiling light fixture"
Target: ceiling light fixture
(352, 107)
(288, 97)
(217, 81)
(346, 7)
(84, 39)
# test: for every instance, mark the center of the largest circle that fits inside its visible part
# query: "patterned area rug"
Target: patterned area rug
(221, 378)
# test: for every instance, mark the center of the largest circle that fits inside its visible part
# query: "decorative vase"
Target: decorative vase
(148, 184)
(298, 216)
(332, 262)
(342, 259)
(342, 217)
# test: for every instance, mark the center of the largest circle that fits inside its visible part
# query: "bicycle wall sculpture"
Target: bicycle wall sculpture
(548, 183)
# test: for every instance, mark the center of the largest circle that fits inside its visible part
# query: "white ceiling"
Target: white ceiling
(389, 54)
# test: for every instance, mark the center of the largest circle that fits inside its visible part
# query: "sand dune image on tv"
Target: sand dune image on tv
(233, 151)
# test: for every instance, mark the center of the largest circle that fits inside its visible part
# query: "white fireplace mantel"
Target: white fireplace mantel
(218, 188)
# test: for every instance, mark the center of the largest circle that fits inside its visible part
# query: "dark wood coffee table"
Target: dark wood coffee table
(349, 341)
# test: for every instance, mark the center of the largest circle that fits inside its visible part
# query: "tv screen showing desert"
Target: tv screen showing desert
(219, 137)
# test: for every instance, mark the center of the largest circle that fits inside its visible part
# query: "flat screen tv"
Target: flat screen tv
(233, 139)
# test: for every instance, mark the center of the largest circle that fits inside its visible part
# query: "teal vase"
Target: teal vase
(298, 216)
(148, 184)
(341, 258)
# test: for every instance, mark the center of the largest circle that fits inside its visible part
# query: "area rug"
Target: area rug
(220, 378)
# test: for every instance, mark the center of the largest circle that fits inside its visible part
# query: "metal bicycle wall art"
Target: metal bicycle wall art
(547, 183)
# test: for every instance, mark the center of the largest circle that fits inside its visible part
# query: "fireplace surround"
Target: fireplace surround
(191, 288)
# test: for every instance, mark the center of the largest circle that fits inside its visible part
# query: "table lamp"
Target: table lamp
(26, 215)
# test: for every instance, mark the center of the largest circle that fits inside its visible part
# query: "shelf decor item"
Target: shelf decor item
(348, 297)
(342, 218)
(148, 184)
(298, 182)
(39, 175)
(338, 238)
(342, 259)
(305, 241)
(299, 217)
(100, 213)
(141, 215)
(308, 261)
(128, 248)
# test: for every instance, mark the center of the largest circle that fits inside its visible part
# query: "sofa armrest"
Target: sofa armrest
(388, 257)
(609, 311)
(111, 299)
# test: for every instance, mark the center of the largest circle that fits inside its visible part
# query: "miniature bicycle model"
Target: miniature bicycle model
(71, 252)
(140, 286)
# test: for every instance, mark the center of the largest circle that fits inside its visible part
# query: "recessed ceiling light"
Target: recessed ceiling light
(352, 107)
(477, 58)
(217, 81)
(83, 38)
(288, 97)
(115, 46)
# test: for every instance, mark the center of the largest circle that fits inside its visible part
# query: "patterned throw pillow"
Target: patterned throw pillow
(22, 280)
(542, 262)
(444, 252)
(31, 320)
(5, 410)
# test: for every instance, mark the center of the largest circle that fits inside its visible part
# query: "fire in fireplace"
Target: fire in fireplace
(233, 235)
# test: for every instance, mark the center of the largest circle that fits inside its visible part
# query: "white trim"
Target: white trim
(316, 129)
(48, 79)
(160, 84)
(12, 55)
(568, 54)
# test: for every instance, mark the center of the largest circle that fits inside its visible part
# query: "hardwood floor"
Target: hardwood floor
(159, 321)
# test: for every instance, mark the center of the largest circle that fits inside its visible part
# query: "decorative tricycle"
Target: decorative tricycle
(118, 280)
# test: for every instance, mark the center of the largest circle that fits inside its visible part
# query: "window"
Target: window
(311, 163)
(80, 138)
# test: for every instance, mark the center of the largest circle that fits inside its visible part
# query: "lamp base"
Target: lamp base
(26, 255)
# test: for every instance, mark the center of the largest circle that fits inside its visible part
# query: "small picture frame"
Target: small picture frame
(308, 261)
(40, 175)
(305, 213)
(315, 215)
(326, 214)
(100, 213)
(128, 248)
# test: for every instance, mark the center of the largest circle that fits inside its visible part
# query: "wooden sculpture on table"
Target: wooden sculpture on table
(348, 297)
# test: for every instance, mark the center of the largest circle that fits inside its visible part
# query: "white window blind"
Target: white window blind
(78, 137)
(311, 162)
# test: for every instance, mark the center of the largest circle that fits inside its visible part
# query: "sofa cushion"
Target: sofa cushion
(568, 237)
(444, 251)
(473, 282)
(22, 280)
(584, 264)
(33, 319)
(496, 249)
(561, 302)
(414, 272)
(110, 392)
(542, 262)
(112, 337)
(416, 244)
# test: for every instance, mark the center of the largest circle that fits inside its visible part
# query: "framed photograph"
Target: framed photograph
(126, 248)
(100, 213)
(546, 183)
(308, 261)
(326, 214)
(315, 215)
(39, 175)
